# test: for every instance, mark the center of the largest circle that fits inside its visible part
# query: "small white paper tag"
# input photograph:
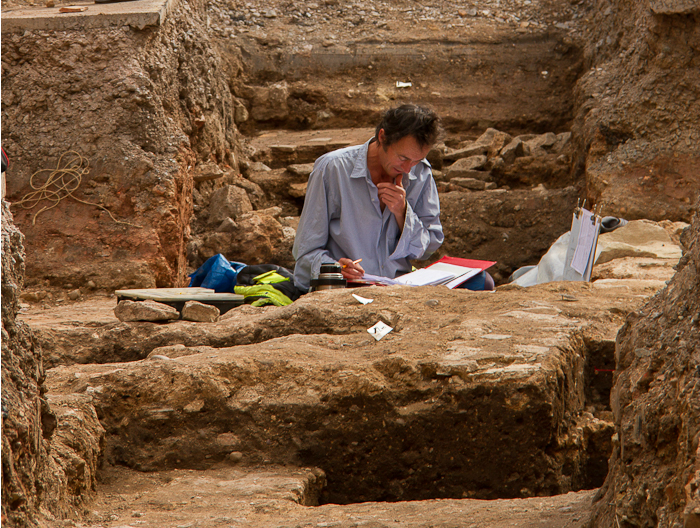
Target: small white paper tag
(362, 299)
(379, 330)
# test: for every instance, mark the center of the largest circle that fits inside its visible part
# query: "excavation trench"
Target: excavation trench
(502, 395)
(429, 433)
(394, 428)
(388, 421)
(496, 403)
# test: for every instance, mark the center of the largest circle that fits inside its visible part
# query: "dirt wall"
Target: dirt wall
(637, 127)
(638, 104)
(25, 456)
(49, 448)
(654, 477)
(142, 107)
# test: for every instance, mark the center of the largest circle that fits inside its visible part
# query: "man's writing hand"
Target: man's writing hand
(393, 195)
(350, 270)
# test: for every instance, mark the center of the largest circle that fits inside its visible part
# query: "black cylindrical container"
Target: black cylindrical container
(329, 278)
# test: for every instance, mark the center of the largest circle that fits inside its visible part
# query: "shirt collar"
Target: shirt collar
(360, 170)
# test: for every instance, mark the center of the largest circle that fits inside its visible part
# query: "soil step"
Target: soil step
(286, 147)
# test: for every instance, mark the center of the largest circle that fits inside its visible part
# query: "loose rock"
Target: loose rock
(200, 312)
(229, 201)
(475, 149)
(512, 150)
(301, 169)
(129, 311)
(469, 183)
(460, 167)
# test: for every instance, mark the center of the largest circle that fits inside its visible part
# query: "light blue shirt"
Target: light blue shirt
(342, 217)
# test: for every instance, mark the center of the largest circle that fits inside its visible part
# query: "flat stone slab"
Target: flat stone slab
(639, 238)
(273, 497)
(138, 14)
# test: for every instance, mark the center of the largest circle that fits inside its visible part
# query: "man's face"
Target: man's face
(400, 157)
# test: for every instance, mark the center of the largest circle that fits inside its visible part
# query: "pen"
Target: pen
(354, 262)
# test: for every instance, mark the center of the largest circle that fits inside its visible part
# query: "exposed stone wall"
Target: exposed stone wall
(654, 477)
(143, 107)
(638, 124)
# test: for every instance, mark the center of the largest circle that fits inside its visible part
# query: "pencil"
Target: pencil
(354, 262)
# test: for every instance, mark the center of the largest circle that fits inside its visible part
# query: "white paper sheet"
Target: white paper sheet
(379, 279)
(425, 277)
(363, 300)
(461, 274)
(379, 330)
(584, 245)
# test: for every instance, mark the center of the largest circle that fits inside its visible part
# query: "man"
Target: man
(376, 202)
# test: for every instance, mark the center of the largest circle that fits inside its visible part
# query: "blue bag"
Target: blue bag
(216, 273)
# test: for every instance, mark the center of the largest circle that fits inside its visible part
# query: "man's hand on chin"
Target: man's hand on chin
(393, 196)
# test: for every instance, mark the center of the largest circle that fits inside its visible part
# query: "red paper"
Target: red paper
(466, 263)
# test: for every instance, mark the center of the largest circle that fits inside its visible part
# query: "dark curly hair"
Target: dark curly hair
(409, 120)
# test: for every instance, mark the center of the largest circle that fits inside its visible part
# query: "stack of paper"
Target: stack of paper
(459, 274)
(463, 269)
(425, 277)
(449, 271)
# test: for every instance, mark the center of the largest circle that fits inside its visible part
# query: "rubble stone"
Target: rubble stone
(200, 312)
(227, 226)
(228, 202)
(475, 149)
(543, 141)
(297, 190)
(130, 311)
(474, 174)
(498, 142)
(208, 171)
(301, 169)
(512, 150)
(259, 239)
(255, 166)
(267, 102)
(460, 167)
(240, 114)
(563, 141)
(255, 193)
(435, 156)
(469, 183)
(488, 136)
